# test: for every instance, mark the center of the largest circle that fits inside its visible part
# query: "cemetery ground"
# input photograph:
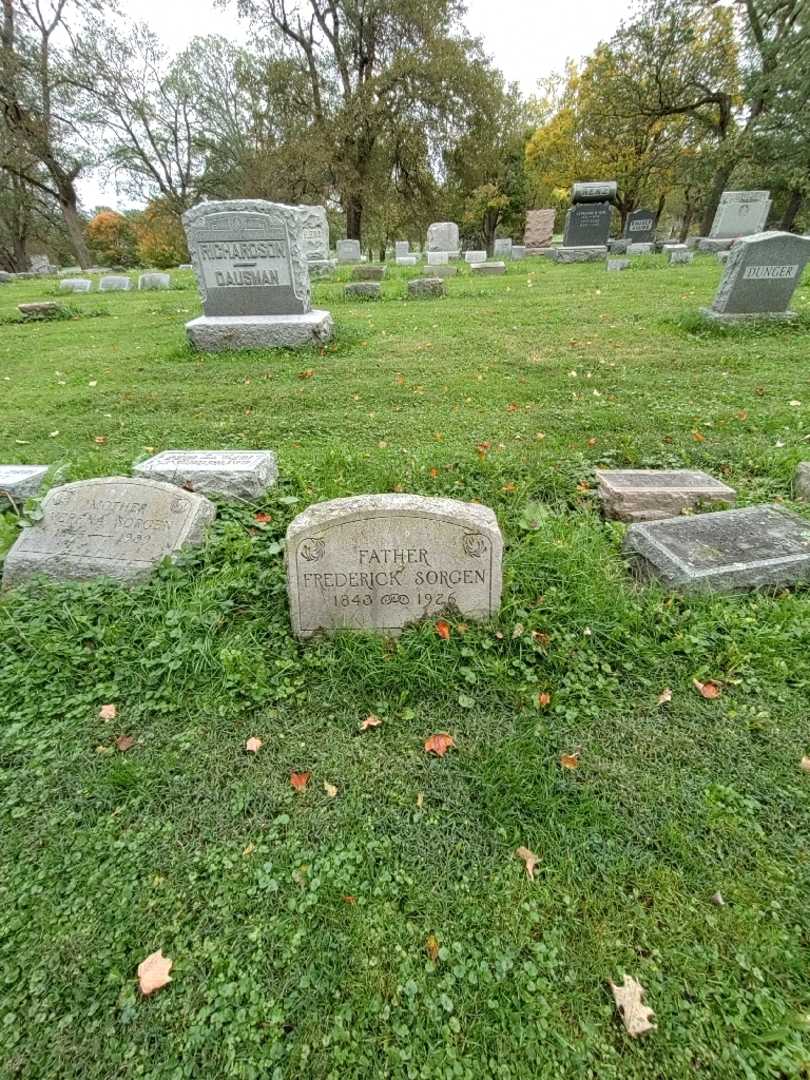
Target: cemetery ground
(388, 929)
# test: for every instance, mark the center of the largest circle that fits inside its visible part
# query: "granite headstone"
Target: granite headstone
(760, 277)
(231, 474)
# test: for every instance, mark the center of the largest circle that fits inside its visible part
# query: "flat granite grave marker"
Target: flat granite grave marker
(640, 249)
(77, 285)
(652, 494)
(760, 277)
(639, 226)
(154, 281)
(518, 252)
(618, 264)
(723, 552)
(364, 272)
(379, 562)
(539, 228)
(119, 527)
(41, 309)
(680, 254)
(19, 482)
(115, 283)
(231, 474)
(484, 269)
(406, 260)
(475, 256)
(252, 272)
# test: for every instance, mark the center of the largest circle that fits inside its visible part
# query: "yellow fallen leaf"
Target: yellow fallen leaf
(370, 721)
(635, 1016)
(665, 696)
(107, 712)
(529, 858)
(432, 947)
(805, 764)
(153, 972)
(570, 761)
(420, 801)
(330, 789)
(253, 744)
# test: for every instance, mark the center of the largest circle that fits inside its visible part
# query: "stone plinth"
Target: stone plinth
(379, 562)
(652, 494)
(426, 288)
(230, 474)
(618, 264)
(115, 283)
(594, 253)
(475, 256)
(75, 285)
(485, 269)
(368, 273)
(18, 483)
(362, 290)
(406, 260)
(224, 333)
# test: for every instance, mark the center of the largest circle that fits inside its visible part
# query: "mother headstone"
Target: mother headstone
(379, 562)
(251, 267)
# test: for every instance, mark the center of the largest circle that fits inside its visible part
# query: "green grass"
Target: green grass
(298, 923)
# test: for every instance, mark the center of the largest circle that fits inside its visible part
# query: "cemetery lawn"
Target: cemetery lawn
(389, 930)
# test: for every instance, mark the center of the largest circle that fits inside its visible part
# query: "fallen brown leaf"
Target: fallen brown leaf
(370, 721)
(544, 699)
(253, 744)
(124, 743)
(570, 761)
(439, 744)
(432, 947)
(635, 1016)
(707, 689)
(107, 712)
(100, 440)
(153, 972)
(529, 858)
(299, 780)
(443, 630)
(262, 519)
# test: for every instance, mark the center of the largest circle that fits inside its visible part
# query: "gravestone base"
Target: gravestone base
(321, 266)
(642, 248)
(709, 246)
(618, 264)
(580, 254)
(225, 333)
(731, 319)
(484, 269)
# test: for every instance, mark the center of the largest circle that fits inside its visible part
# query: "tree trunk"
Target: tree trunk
(791, 210)
(689, 213)
(489, 227)
(69, 205)
(354, 217)
(717, 189)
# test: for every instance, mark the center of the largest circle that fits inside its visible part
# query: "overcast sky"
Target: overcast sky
(527, 39)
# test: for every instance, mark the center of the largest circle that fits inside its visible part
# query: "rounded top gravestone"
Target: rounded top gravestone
(585, 191)
(315, 231)
(379, 562)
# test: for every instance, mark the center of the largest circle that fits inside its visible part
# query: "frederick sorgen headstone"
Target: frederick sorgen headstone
(639, 227)
(379, 562)
(231, 474)
(251, 267)
(760, 277)
(723, 552)
(539, 228)
(118, 527)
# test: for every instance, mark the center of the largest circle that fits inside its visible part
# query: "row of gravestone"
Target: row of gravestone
(116, 283)
(380, 562)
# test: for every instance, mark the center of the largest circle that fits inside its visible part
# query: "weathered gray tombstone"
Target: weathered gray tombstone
(618, 246)
(618, 264)
(362, 290)
(378, 562)
(401, 248)
(153, 281)
(426, 288)
(475, 257)
(119, 527)
(42, 309)
(252, 272)
(679, 254)
(315, 237)
(740, 213)
(760, 277)
(518, 252)
(502, 248)
(723, 552)
(437, 258)
(587, 225)
(539, 228)
(39, 264)
(443, 236)
(406, 260)
(639, 226)
(348, 251)
(801, 481)
(231, 474)
(5, 277)
(75, 285)
(652, 494)
(364, 272)
(115, 283)
(485, 269)
(19, 482)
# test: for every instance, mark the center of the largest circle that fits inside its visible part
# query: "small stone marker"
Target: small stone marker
(231, 474)
(401, 247)
(723, 552)
(253, 277)
(185, 266)
(443, 236)
(348, 251)
(154, 281)
(680, 254)
(5, 277)
(367, 273)
(652, 494)
(444, 271)
(587, 225)
(437, 258)
(580, 254)
(760, 277)
(801, 481)
(502, 248)
(484, 269)
(426, 288)
(539, 228)
(406, 260)
(740, 213)
(475, 256)
(115, 283)
(76, 285)
(44, 309)
(618, 246)
(722, 256)
(119, 527)
(618, 264)
(639, 227)
(379, 562)
(362, 290)
(518, 252)
(19, 482)
(640, 249)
